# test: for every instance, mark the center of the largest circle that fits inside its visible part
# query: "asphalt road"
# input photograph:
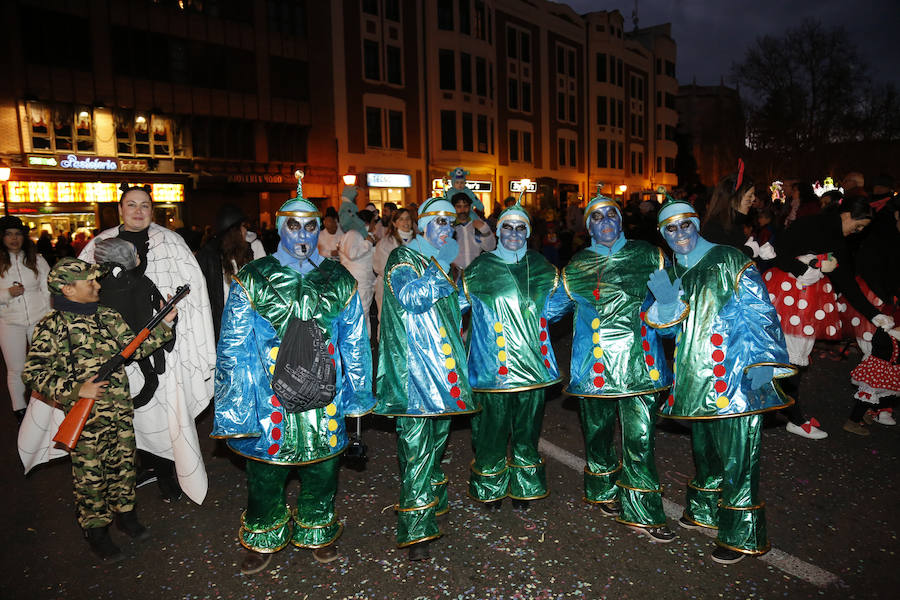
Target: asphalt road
(831, 509)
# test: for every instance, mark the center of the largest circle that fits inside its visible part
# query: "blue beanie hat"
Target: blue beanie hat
(676, 210)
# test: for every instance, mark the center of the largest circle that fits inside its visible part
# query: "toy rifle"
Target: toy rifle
(70, 429)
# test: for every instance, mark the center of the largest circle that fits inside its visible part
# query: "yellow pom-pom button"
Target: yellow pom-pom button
(332, 424)
(442, 331)
(596, 338)
(498, 326)
(598, 352)
(722, 401)
(273, 353)
(272, 369)
(446, 349)
(450, 363)
(331, 409)
(502, 355)
(595, 324)
(654, 374)
(501, 342)
(332, 441)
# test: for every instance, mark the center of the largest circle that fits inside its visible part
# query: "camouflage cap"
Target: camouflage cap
(69, 270)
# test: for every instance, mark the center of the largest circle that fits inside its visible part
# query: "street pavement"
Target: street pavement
(831, 510)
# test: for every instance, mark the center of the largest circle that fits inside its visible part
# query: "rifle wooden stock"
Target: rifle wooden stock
(70, 429)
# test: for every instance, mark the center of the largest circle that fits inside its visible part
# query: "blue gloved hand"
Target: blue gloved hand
(760, 376)
(447, 254)
(665, 291)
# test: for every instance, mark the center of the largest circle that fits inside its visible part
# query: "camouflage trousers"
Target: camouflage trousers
(103, 468)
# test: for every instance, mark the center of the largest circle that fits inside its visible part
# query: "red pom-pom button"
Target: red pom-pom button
(598, 382)
(643, 330)
(454, 391)
(650, 360)
(275, 401)
(718, 356)
(503, 370)
(721, 386)
(544, 350)
(671, 400)
(273, 449)
(461, 404)
(543, 336)
(330, 348)
(276, 434)
(598, 367)
(719, 370)
(277, 417)
(716, 339)
(546, 363)
(452, 377)
(645, 345)
(543, 322)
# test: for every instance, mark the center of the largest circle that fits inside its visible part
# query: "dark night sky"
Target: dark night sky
(711, 34)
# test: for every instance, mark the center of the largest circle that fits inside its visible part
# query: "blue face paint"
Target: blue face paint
(605, 225)
(299, 237)
(513, 234)
(681, 236)
(438, 231)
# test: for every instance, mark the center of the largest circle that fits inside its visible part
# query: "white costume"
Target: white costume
(329, 242)
(165, 426)
(356, 254)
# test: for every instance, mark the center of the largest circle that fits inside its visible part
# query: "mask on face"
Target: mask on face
(299, 237)
(681, 236)
(605, 225)
(438, 231)
(513, 234)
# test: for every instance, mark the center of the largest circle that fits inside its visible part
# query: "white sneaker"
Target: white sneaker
(884, 417)
(808, 430)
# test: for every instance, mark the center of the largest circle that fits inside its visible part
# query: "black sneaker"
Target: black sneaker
(419, 552)
(493, 505)
(128, 523)
(660, 535)
(169, 488)
(144, 477)
(102, 545)
(687, 523)
(726, 556)
(610, 509)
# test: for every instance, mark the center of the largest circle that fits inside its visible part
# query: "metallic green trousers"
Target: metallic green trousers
(269, 523)
(725, 491)
(633, 481)
(512, 418)
(421, 442)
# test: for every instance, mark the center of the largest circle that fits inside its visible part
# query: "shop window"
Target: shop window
(446, 71)
(448, 130)
(84, 129)
(161, 131)
(468, 140)
(61, 128)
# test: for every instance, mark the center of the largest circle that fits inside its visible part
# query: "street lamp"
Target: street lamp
(623, 188)
(349, 179)
(4, 177)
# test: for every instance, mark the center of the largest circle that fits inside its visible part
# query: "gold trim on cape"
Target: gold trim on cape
(677, 217)
(676, 321)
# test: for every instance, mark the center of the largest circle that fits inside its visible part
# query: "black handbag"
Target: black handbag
(304, 376)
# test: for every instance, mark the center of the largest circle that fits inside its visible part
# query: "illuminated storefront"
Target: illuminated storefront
(388, 187)
(68, 193)
(483, 190)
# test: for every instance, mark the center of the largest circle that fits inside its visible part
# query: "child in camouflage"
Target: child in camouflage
(69, 346)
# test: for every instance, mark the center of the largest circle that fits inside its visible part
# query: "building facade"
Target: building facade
(713, 125)
(223, 100)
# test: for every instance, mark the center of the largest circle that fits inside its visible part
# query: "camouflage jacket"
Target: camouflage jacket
(67, 349)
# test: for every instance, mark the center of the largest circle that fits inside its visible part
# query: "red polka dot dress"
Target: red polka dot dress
(809, 311)
(879, 375)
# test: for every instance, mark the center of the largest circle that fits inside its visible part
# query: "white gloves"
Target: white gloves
(753, 245)
(886, 322)
(766, 251)
(810, 276)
